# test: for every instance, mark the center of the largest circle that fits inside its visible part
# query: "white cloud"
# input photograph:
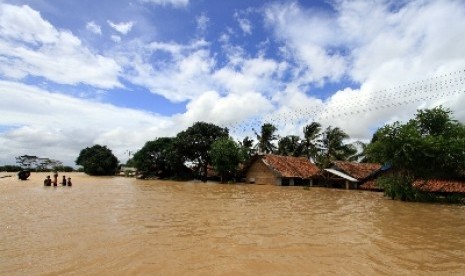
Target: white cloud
(122, 27)
(29, 45)
(183, 73)
(202, 22)
(93, 27)
(58, 126)
(377, 46)
(226, 110)
(116, 38)
(174, 3)
(255, 74)
(245, 25)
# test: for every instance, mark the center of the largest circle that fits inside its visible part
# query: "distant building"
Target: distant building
(273, 169)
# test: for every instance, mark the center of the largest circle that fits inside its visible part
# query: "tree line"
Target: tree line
(203, 146)
(430, 145)
(37, 164)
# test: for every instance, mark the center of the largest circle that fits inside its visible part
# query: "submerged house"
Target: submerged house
(441, 186)
(273, 169)
(351, 175)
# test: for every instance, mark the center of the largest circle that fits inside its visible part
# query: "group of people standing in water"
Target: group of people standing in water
(65, 182)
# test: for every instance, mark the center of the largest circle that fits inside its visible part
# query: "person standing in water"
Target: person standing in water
(55, 179)
(48, 181)
(63, 182)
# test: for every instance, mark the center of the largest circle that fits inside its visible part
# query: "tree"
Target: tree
(226, 156)
(266, 138)
(27, 161)
(430, 145)
(195, 144)
(158, 157)
(246, 148)
(311, 141)
(97, 160)
(290, 146)
(333, 147)
(37, 163)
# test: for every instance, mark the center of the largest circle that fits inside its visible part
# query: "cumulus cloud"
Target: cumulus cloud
(93, 27)
(59, 126)
(31, 46)
(181, 74)
(226, 110)
(374, 45)
(254, 74)
(122, 27)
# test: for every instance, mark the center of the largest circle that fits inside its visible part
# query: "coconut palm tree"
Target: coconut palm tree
(265, 138)
(334, 147)
(290, 146)
(311, 141)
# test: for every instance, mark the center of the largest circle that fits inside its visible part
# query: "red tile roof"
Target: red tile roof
(357, 170)
(289, 166)
(440, 186)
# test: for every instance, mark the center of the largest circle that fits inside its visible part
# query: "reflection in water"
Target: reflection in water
(114, 225)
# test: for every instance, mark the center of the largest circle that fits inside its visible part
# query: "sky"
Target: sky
(120, 73)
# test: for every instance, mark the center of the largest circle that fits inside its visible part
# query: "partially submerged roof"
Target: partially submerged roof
(289, 166)
(359, 171)
(440, 186)
(341, 174)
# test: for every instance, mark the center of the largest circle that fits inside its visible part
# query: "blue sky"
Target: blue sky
(120, 73)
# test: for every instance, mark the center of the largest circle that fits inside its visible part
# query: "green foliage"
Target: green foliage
(397, 186)
(35, 163)
(266, 138)
(226, 156)
(312, 140)
(247, 148)
(290, 146)
(63, 168)
(158, 157)
(333, 147)
(430, 145)
(97, 160)
(195, 144)
(10, 168)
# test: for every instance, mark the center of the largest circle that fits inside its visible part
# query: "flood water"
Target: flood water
(117, 225)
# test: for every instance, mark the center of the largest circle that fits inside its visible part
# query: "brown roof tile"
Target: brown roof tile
(440, 186)
(289, 166)
(357, 170)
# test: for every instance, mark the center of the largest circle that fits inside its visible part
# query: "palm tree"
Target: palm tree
(311, 141)
(334, 147)
(265, 138)
(290, 146)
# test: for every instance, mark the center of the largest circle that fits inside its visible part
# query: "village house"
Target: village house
(273, 169)
(352, 175)
(441, 186)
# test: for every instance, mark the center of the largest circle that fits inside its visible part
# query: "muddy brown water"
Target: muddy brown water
(124, 226)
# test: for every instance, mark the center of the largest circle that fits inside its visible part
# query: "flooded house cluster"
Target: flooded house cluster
(273, 169)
